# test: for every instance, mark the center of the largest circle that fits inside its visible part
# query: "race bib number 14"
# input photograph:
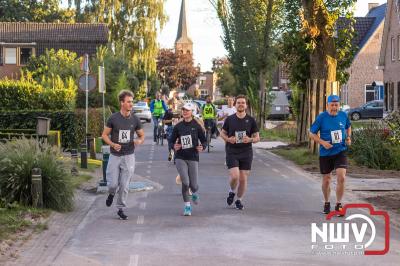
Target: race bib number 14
(124, 136)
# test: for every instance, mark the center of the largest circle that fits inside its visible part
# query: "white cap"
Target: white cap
(188, 106)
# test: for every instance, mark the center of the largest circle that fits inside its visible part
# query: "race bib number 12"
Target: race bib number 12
(239, 136)
(186, 142)
(336, 136)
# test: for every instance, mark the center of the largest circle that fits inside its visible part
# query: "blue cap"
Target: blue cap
(333, 98)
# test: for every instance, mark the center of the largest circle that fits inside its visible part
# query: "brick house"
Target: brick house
(363, 71)
(206, 82)
(389, 60)
(20, 40)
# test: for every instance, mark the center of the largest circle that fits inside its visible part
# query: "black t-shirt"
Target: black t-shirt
(239, 127)
(123, 132)
(168, 116)
(189, 134)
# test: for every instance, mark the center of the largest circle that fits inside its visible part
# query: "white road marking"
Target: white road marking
(137, 238)
(275, 170)
(140, 219)
(267, 164)
(284, 176)
(133, 260)
(149, 166)
(145, 194)
(148, 171)
(143, 206)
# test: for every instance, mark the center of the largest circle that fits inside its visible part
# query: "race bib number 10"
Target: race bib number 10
(239, 136)
(336, 136)
(186, 142)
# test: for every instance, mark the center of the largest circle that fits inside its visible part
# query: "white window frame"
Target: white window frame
(365, 92)
(392, 49)
(5, 49)
(398, 47)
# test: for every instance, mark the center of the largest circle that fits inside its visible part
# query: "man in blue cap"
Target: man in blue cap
(335, 135)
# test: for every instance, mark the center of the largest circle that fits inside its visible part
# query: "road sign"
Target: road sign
(92, 82)
(102, 81)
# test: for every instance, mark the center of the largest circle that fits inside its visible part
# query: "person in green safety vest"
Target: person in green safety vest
(209, 114)
(157, 109)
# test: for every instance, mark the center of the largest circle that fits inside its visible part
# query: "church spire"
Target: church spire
(183, 43)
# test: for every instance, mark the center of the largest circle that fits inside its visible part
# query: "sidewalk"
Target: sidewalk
(382, 192)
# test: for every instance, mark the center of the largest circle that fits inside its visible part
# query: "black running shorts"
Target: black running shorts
(328, 163)
(241, 160)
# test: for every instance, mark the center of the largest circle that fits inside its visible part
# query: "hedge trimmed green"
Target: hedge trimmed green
(71, 124)
(29, 95)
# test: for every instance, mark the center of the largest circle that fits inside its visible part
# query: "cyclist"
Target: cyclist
(209, 114)
(157, 109)
(168, 121)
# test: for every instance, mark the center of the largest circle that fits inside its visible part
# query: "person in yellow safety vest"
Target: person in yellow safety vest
(209, 114)
(157, 109)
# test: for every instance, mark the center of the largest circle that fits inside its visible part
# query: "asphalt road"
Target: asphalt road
(274, 229)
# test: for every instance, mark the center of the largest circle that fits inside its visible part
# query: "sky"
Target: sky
(205, 28)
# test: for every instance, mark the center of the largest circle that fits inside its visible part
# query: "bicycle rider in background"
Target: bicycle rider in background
(168, 121)
(209, 114)
(157, 109)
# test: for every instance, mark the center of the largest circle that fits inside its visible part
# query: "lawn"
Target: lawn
(300, 156)
(279, 134)
(15, 219)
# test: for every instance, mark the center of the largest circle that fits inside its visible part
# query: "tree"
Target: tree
(227, 81)
(315, 44)
(250, 42)
(132, 25)
(319, 19)
(176, 70)
(34, 11)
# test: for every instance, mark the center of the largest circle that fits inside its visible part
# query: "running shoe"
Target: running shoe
(239, 205)
(195, 199)
(122, 215)
(109, 200)
(187, 211)
(230, 198)
(169, 156)
(339, 208)
(327, 208)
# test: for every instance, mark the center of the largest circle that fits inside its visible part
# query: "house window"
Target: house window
(25, 54)
(393, 50)
(398, 95)
(10, 57)
(1, 56)
(398, 47)
(369, 93)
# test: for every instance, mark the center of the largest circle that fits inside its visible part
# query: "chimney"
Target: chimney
(372, 6)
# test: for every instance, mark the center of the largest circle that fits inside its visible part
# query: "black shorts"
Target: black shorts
(328, 163)
(241, 160)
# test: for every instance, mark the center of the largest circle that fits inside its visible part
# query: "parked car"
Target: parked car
(142, 110)
(280, 108)
(372, 109)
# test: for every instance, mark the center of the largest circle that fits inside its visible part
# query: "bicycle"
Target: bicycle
(160, 133)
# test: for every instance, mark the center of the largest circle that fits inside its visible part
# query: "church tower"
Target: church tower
(183, 44)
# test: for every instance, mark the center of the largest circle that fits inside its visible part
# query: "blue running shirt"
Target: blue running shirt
(333, 130)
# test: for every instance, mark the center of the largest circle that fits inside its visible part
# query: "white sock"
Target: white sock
(230, 190)
(240, 199)
(187, 203)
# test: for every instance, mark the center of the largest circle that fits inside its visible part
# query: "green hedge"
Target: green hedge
(54, 137)
(71, 124)
(28, 95)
